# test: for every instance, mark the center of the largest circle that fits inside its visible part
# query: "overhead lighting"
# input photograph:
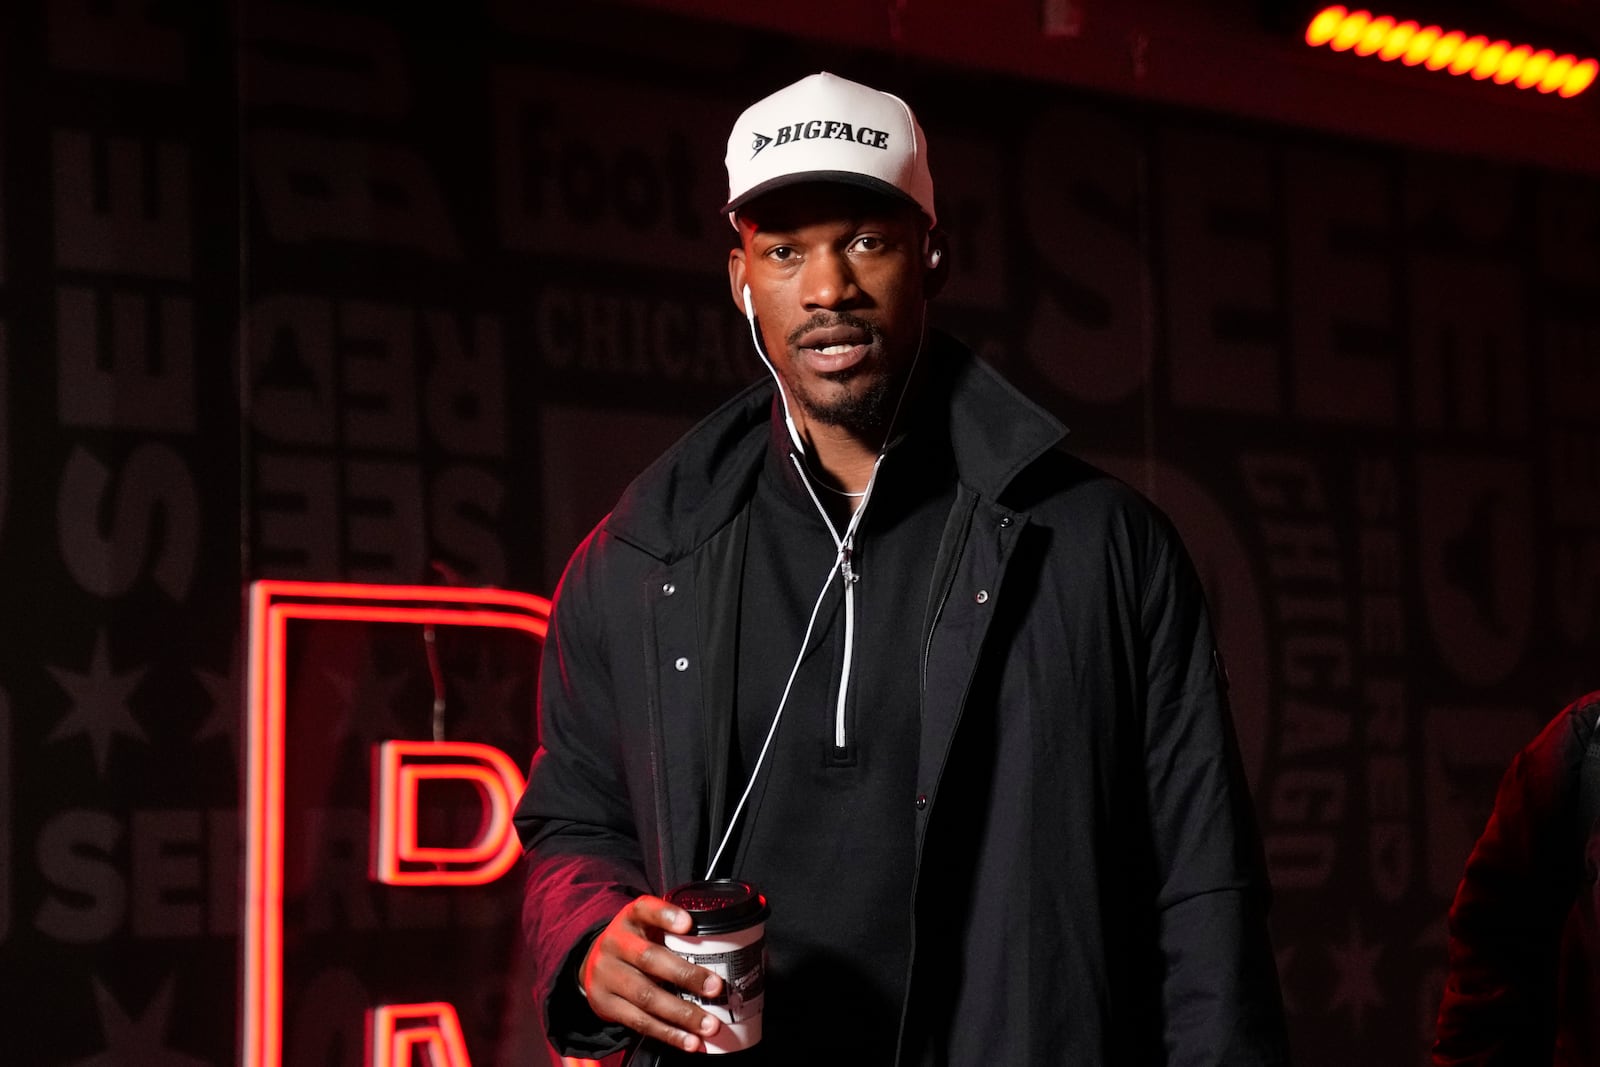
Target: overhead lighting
(1453, 51)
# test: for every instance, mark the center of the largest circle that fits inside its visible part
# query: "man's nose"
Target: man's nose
(829, 281)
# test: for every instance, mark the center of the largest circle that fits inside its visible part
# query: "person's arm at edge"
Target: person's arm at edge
(1505, 923)
(1220, 991)
(592, 923)
(582, 858)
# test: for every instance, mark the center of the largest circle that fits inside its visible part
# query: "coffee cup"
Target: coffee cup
(729, 939)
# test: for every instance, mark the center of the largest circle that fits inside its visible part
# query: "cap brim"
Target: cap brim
(829, 177)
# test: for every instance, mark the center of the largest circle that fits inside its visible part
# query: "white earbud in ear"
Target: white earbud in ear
(749, 308)
(934, 257)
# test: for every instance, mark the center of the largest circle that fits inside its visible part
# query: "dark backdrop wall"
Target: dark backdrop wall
(304, 292)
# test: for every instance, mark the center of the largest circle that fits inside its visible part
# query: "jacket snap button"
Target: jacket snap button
(922, 801)
(668, 589)
(1005, 520)
(982, 597)
(683, 663)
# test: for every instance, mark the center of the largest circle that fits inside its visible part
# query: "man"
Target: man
(867, 639)
(1524, 974)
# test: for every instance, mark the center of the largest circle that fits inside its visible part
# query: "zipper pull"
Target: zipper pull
(845, 568)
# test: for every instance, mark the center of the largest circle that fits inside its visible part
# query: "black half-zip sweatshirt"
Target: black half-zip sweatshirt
(828, 833)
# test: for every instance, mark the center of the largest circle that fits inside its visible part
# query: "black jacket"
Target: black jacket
(1100, 897)
(1524, 982)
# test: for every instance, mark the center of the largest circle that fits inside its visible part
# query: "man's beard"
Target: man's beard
(864, 411)
(861, 412)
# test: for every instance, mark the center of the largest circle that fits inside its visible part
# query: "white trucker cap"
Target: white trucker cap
(824, 128)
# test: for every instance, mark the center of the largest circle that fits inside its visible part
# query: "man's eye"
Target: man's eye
(869, 243)
(781, 253)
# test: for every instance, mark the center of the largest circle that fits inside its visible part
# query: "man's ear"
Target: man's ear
(935, 264)
(736, 278)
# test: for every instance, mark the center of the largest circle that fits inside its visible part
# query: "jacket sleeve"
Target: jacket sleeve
(1220, 993)
(1519, 885)
(582, 853)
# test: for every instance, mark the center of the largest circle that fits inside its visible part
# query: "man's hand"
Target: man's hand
(623, 972)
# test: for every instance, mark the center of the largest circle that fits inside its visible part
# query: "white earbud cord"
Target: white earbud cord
(840, 564)
(733, 820)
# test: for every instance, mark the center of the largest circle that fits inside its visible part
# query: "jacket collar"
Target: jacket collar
(698, 484)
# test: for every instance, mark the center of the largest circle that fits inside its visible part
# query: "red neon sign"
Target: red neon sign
(399, 858)
(273, 605)
(397, 1030)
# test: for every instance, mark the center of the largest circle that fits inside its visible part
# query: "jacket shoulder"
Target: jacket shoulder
(1568, 735)
(1061, 488)
(1543, 777)
(1585, 713)
(696, 485)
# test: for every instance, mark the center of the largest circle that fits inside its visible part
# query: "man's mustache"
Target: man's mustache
(822, 320)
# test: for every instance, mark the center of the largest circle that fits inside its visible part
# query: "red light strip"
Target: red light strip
(1455, 51)
(447, 616)
(261, 1036)
(272, 605)
(324, 592)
